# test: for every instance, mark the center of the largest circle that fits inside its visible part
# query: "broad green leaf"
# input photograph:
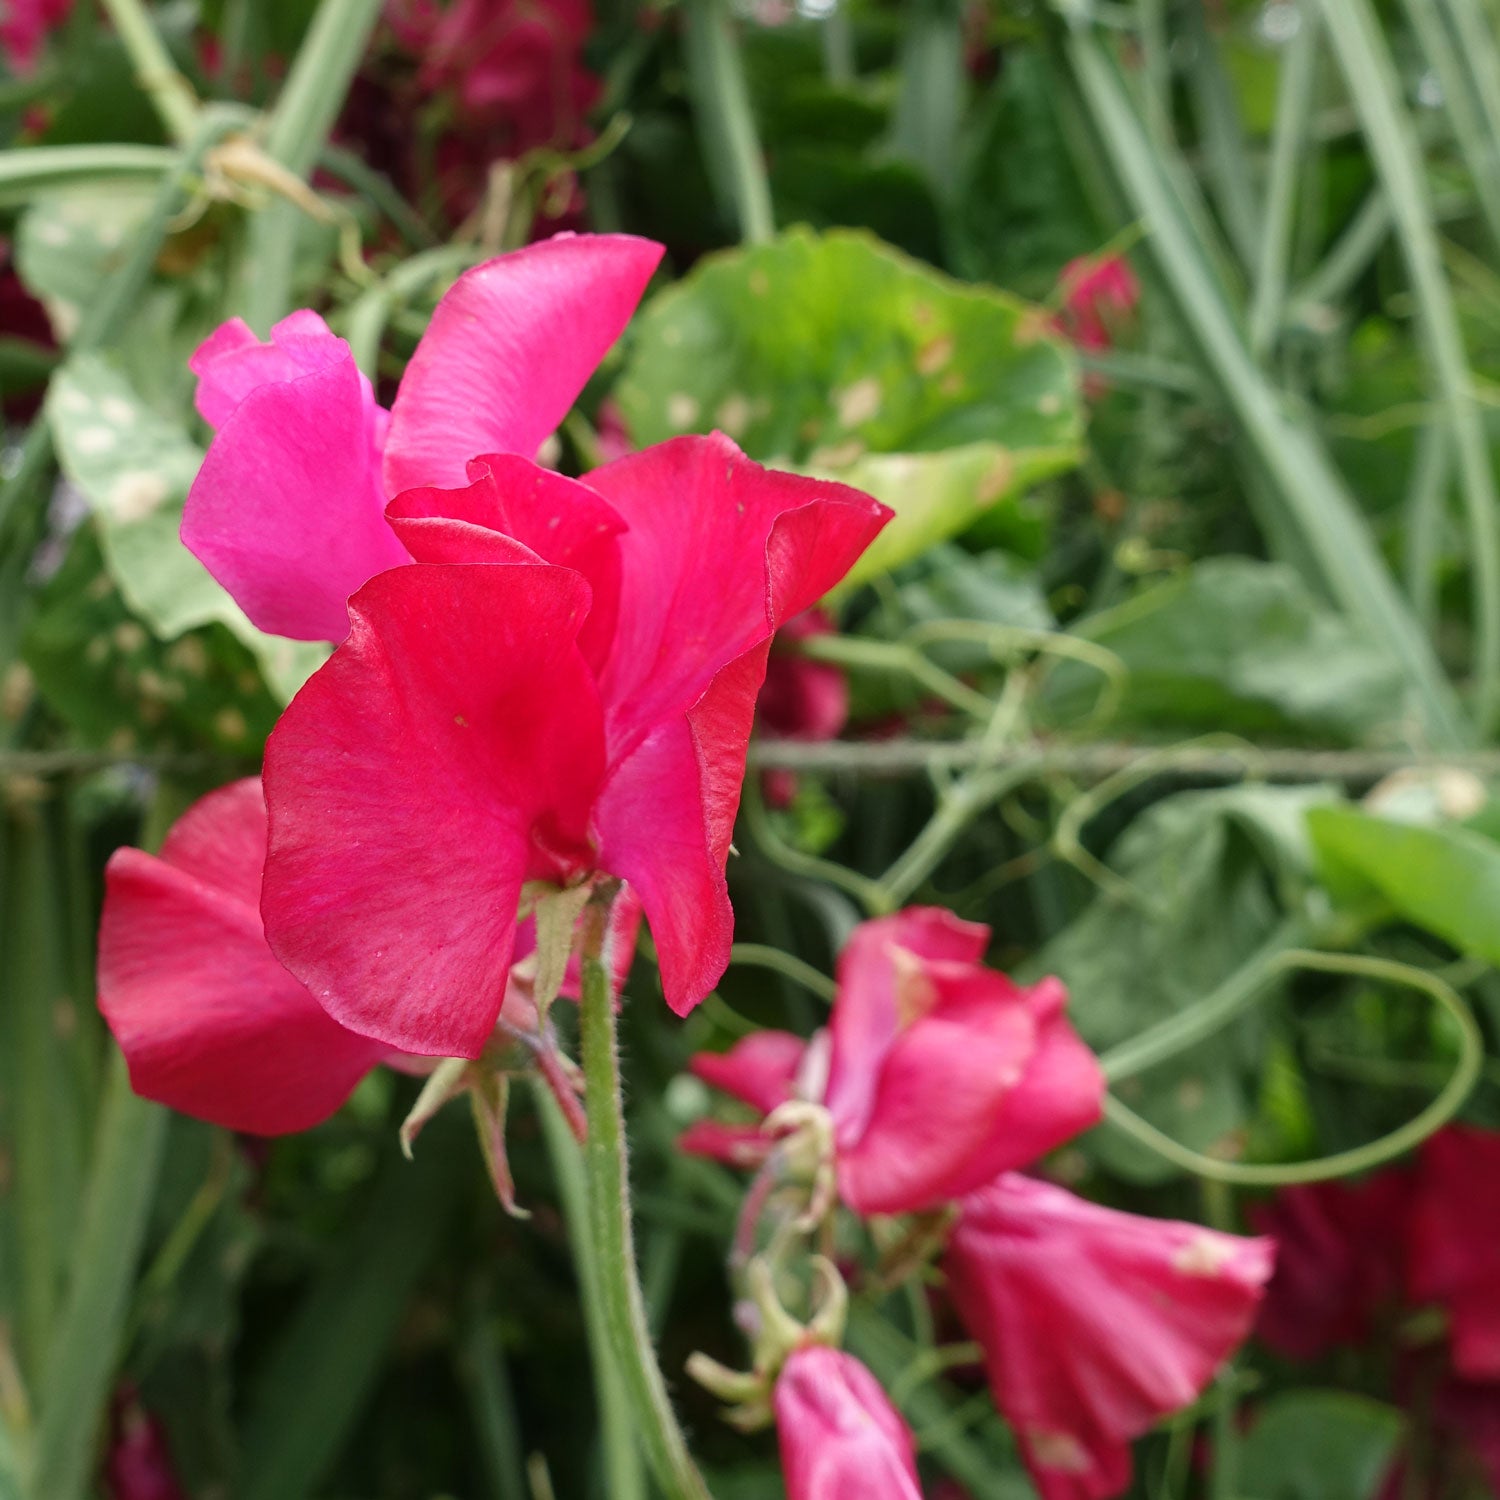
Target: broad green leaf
(134, 468)
(1236, 644)
(1208, 873)
(1318, 1445)
(1443, 878)
(841, 356)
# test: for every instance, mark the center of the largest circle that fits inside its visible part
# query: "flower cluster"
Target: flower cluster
(1360, 1260)
(938, 1080)
(537, 683)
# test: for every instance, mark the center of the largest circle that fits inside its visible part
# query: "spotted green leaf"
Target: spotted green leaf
(134, 467)
(838, 355)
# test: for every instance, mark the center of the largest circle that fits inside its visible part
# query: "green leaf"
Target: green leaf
(1443, 878)
(838, 355)
(134, 468)
(1235, 644)
(1318, 1445)
(1208, 873)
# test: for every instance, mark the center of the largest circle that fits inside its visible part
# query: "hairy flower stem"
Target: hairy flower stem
(610, 1241)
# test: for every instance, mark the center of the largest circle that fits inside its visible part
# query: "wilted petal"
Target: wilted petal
(209, 1022)
(841, 1439)
(507, 352)
(445, 754)
(287, 511)
(1095, 1324)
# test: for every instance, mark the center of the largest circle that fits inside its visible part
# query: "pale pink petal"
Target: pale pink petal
(445, 754)
(209, 1022)
(287, 511)
(507, 352)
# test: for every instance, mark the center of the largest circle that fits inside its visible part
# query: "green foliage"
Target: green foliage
(1318, 1445)
(844, 358)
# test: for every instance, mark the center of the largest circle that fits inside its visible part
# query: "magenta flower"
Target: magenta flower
(287, 511)
(1339, 1260)
(941, 1073)
(1099, 295)
(841, 1439)
(208, 1021)
(554, 722)
(1095, 1324)
(1453, 1247)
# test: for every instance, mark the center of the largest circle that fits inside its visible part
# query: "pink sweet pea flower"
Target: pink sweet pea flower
(1095, 1324)
(1339, 1253)
(492, 720)
(841, 1439)
(287, 511)
(209, 1022)
(941, 1072)
(25, 26)
(1454, 1243)
(138, 1465)
(802, 699)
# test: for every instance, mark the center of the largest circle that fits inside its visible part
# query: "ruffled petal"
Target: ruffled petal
(508, 350)
(865, 1019)
(287, 511)
(515, 510)
(209, 1022)
(1095, 1323)
(231, 362)
(445, 754)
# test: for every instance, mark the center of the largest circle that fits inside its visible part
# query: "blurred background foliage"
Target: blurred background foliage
(1169, 327)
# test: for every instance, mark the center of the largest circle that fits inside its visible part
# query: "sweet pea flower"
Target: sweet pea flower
(288, 509)
(939, 1073)
(561, 689)
(841, 1439)
(138, 1464)
(1099, 293)
(1453, 1245)
(209, 1022)
(802, 699)
(1339, 1261)
(1095, 1324)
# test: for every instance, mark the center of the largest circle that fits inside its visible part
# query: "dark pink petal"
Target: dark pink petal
(742, 1146)
(937, 1119)
(865, 1018)
(759, 1069)
(444, 755)
(1095, 1324)
(208, 1020)
(510, 503)
(841, 1439)
(507, 352)
(287, 511)
(1340, 1251)
(719, 553)
(1454, 1243)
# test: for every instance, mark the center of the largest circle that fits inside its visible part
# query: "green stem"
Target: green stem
(154, 69)
(622, 1466)
(300, 123)
(75, 1385)
(721, 105)
(929, 107)
(39, 167)
(1361, 1158)
(1317, 502)
(611, 1244)
(1294, 100)
(788, 964)
(1375, 88)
